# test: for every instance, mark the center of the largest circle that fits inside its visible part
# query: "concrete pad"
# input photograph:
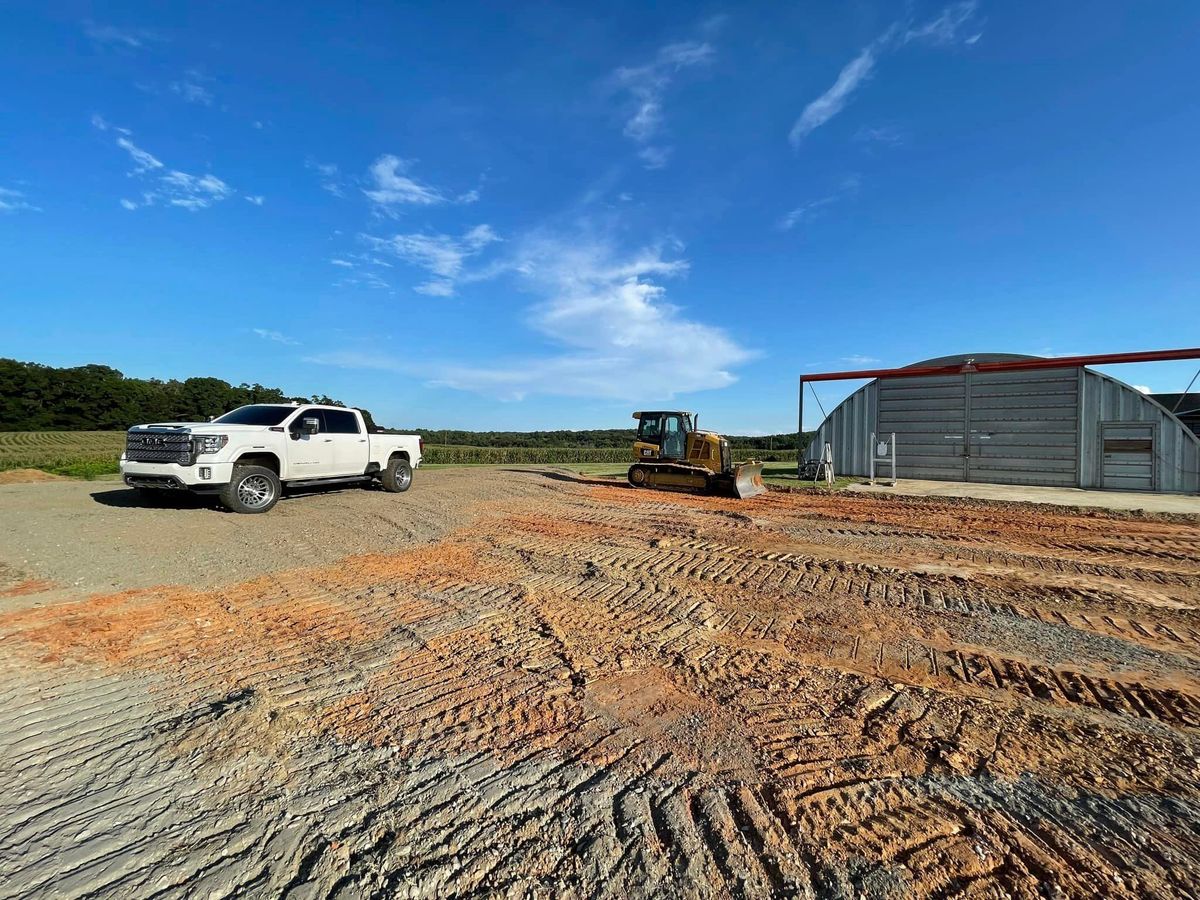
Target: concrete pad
(1149, 502)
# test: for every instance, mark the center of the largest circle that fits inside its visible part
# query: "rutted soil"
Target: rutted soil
(556, 687)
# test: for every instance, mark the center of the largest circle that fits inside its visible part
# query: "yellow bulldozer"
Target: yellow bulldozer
(673, 454)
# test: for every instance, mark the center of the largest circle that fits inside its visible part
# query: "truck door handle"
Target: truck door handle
(362, 440)
(329, 440)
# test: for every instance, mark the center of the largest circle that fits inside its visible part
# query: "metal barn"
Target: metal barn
(1010, 419)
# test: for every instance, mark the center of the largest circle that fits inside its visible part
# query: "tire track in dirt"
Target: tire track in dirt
(608, 693)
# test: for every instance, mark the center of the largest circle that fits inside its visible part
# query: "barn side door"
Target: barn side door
(1128, 456)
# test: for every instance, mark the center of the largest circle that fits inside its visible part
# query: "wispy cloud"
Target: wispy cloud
(392, 186)
(441, 255)
(879, 134)
(12, 200)
(646, 86)
(806, 212)
(945, 29)
(162, 184)
(123, 37)
(948, 26)
(278, 337)
(331, 178)
(256, 199)
(191, 88)
(830, 103)
(620, 336)
(856, 359)
(607, 311)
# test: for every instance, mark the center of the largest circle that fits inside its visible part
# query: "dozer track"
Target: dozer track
(744, 481)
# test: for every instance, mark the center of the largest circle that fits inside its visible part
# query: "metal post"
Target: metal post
(800, 428)
(873, 449)
(895, 479)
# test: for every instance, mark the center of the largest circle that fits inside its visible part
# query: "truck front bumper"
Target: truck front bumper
(172, 476)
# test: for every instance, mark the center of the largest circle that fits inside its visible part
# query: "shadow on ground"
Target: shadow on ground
(131, 498)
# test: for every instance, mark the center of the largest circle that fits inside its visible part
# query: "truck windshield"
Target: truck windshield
(256, 415)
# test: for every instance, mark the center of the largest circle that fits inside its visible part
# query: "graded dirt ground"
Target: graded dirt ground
(547, 685)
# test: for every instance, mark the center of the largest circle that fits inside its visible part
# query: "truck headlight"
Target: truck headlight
(211, 443)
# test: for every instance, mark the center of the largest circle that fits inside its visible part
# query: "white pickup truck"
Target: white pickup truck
(247, 456)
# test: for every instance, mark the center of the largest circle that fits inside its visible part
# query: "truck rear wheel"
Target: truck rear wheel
(252, 489)
(397, 477)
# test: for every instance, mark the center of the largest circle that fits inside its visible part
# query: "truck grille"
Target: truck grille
(159, 446)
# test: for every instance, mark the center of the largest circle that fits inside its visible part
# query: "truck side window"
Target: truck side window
(298, 422)
(341, 421)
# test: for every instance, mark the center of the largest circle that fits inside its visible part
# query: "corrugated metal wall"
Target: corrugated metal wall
(1033, 427)
(1176, 449)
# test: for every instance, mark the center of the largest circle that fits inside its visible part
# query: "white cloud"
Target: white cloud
(133, 38)
(344, 263)
(191, 90)
(857, 359)
(618, 335)
(942, 30)
(276, 336)
(256, 199)
(170, 187)
(654, 157)
(392, 187)
(331, 180)
(1142, 388)
(647, 85)
(621, 338)
(880, 134)
(806, 212)
(829, 104)
(441, 255)
(12, 200)
(142, 161)
(946, 27)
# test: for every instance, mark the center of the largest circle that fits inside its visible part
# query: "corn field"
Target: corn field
(96, 453)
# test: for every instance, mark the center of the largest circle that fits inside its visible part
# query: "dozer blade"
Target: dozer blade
(747, 480)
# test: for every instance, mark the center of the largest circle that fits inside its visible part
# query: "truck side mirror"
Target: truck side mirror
(311, 426)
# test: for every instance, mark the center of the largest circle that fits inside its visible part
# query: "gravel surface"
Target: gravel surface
(533, 684)
(102, 535)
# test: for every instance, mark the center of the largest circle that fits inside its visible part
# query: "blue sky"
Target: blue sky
(551, 215)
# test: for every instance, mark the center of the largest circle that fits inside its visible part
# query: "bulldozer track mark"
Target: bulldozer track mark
(603, 693)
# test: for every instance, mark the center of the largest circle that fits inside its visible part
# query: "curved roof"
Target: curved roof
(960, 358)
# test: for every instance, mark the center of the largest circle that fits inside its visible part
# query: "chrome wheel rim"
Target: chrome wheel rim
(403, 477)
(255, 491)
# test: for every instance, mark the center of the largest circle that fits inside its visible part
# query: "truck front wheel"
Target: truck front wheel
(397, 477)
(252, 489)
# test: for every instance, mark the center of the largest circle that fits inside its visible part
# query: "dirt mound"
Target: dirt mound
(579, 689)
(28, 476)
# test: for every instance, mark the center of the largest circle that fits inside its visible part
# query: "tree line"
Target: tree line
(34, 397)
(600, 438)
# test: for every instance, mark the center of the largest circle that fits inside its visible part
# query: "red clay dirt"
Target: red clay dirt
(598, 691)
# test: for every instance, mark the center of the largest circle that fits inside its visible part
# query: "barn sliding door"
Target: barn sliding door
(928, 414)
(1023, 427)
